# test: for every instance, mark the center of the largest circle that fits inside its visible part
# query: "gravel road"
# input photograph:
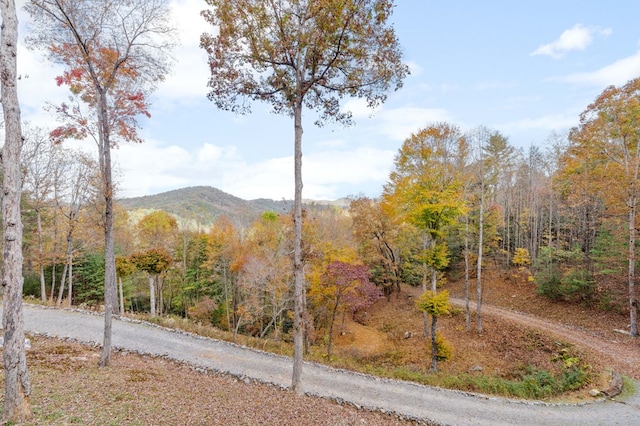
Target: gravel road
(428, 404)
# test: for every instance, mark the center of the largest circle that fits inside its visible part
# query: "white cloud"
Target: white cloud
(400, 123)
(355, 166)
(151, 168)
(577, 37)
(188, 79)
(617, 73)
(186, 16)
(37, 85)
(546, 123)
(394, 123)
(269, 178)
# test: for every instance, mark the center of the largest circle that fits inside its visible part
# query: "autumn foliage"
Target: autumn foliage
(128, 100)
(344, 287)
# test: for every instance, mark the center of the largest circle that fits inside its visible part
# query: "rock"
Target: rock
(594, 392)
(407, 334)
(615, 386)
(475, 368)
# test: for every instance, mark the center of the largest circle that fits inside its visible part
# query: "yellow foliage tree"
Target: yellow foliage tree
(425, 190)
(521, 257)
(436, 305)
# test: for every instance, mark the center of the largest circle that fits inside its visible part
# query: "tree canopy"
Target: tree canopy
(311, 52)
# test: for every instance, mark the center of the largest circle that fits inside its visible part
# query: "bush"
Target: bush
(203, 310)
(577, 286)
(88, 283)
(521, 257)
(31, 286)
(445, 350)
(561, 275)
(549, 286)
(574, 286)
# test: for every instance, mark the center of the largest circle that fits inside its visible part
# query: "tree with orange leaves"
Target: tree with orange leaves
(115, 53)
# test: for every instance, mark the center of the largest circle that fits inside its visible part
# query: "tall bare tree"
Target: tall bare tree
(38, 160)
(296, 54)
(78, 193)
(115, 52)
(17, 388)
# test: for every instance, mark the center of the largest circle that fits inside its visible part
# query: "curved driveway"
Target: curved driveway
(433, 405)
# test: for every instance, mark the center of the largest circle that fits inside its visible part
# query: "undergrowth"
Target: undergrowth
(531, 384)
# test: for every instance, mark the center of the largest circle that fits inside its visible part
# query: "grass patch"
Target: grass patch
(628, 388)
(531, 384)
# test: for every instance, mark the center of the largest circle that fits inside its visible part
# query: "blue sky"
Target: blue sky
(523, 68)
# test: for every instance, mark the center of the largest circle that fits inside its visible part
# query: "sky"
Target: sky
(524, 68)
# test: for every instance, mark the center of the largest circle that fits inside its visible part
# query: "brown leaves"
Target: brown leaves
(312, 52)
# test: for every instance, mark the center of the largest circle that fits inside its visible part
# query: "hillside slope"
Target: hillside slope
(204, 204)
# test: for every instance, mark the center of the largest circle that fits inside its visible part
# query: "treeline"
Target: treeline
(565, 210)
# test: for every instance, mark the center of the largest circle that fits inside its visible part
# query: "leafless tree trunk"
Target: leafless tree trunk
(58, 179)
(17, 405)
(70, 279)
(425, 316)
(633, 301)
(43, 284)
(434, 346)
(298, 266)
(110, 292)
(62, 281)
(466, 273)
(152, 296)
(159, 289)
(479, 265)
(121, 296)
(226, 296)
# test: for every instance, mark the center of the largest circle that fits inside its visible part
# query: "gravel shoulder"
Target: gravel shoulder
(409, 400)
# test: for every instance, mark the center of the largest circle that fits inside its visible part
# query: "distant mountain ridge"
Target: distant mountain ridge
(204, 204)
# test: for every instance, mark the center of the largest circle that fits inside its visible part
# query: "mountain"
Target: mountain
(204, 204)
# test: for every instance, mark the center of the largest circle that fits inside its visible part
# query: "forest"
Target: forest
(563, 211)
(460, 202)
